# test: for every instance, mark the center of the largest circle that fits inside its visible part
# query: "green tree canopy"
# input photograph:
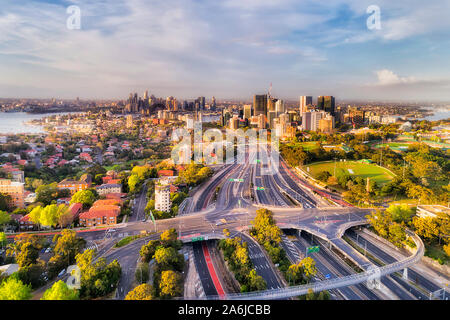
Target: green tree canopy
(60, 291)
(14, 289)
(85, 197)
(141, 292)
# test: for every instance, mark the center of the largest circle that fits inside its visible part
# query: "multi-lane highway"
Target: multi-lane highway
(274, 188)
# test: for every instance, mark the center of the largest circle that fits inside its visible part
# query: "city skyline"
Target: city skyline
(191, 49)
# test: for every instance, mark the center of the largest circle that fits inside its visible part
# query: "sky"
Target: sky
(230, 49)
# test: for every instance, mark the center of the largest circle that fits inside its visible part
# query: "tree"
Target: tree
(35, 215)
(169, 238)
(45, 194)
(148, 250)
(427, 228)
(169, 259)
(49, 216)
(295, 274)
(133, 181)
(97, 278)
(397, 234)
(447, 249)
(60, 291)
(3, 240)
(85, 197)
(309, 267)
(4, 218)
(400, 213)
(25, 249)
(67, 246)
(14, 289)
(5, 200)
(141, 292)
(256, 282)
(170, 285)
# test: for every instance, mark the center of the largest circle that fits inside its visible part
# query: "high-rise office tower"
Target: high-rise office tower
(327, 104)
(248, 111)
(310, 120)
(213, 104)
(280, 107)
(202, 102)
(305, 101)
(271, 104)
(260, 104)
(271, 116)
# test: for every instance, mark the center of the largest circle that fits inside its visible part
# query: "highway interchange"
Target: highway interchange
(296, 206)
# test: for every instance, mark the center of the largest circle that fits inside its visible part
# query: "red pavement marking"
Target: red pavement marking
(212, 271)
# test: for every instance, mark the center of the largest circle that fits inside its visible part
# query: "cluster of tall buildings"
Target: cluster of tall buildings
(148, 104)
(267, 112)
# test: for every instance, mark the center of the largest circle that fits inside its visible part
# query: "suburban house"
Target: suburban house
(100, 215)
(108, 188)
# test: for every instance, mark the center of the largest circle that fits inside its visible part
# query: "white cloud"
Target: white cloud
(388, 77)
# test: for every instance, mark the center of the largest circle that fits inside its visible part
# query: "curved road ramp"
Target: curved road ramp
(367, 276)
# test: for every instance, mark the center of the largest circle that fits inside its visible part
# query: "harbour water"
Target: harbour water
(15, 122)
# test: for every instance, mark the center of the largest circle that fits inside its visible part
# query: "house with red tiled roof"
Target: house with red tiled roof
(165, 173)
(115, 195)
(100, 215)
(85, 156)
(75, 210)
(25, 223)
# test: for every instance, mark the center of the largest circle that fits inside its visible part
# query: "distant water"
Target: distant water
(438, 114)
(14, 122)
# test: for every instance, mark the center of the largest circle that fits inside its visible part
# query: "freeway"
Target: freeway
(327, 223)
(378, 253)
(338, 268)
(262, 265)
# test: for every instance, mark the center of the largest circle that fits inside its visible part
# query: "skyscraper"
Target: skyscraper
(327, 104)
(280, 107)
(260, 104)
(305, 101)
(271, 104)
(248, 111)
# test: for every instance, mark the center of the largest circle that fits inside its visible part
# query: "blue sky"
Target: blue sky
(226, 48)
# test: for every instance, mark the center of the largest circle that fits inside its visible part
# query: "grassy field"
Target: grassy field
(396, 146)
(363, 170)
(307, 146)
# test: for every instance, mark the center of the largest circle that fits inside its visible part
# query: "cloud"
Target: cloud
(388, 77)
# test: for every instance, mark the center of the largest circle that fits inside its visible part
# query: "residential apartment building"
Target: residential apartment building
(73, 185)
(105, 189)
(15, 190)
(162, 198)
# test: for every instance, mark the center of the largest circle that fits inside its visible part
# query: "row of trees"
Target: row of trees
(267, 233)
(167, 278)
(34, 272)
(236, 255)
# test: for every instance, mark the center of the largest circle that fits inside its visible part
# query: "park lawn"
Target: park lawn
(307, 146)
(364, 170)
(396, 146)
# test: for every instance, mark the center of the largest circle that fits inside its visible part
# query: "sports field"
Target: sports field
(353, 168)
(396, 146)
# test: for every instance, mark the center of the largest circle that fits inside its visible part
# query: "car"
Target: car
(48, 250)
